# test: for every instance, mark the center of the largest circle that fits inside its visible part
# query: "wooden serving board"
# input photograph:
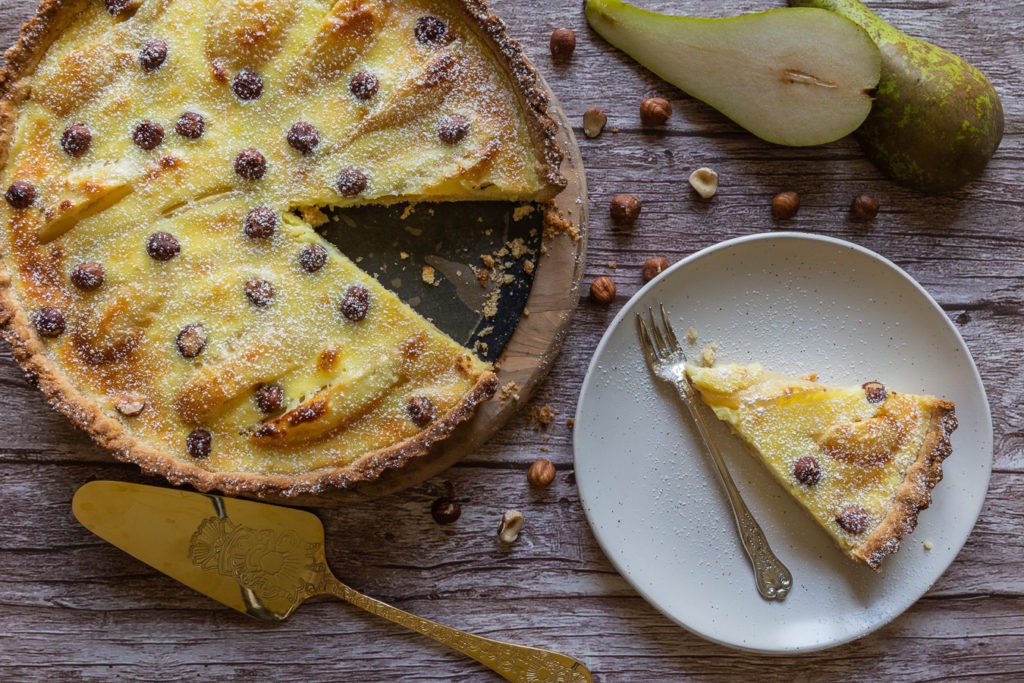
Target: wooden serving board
(529, 333)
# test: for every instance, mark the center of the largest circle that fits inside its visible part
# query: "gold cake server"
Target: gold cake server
(265, 560)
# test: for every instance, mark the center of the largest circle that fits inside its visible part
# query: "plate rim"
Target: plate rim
(985, 428)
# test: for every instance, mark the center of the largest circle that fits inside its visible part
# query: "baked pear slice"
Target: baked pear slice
(862, 460)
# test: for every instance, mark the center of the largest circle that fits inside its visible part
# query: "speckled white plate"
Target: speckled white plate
(796, 303)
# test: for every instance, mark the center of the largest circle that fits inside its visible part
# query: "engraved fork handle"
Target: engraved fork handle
(773, 579)
(512, 662)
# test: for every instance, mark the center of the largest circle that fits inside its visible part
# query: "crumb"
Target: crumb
(403, 255)
(407, 211)
(481, 276)
(708, 354)
(691, 336)
(928, 545)
(487, 260)
(528, 266)
(544, 449)
(429, 275)
(313, 215)
(517, 247)
(570, 422)
(542, 417)
(481, 348)
(526, 312)
(510, 391)
(487, 331)
(615, 130)
(522, 211)
(613, 265)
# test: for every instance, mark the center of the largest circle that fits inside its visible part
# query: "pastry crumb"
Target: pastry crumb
(691, 336)
(522, 211)
(430, 275)
(928, 545)
(708, 355)
(510, 390)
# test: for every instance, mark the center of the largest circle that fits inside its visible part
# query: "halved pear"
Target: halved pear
(790, 77)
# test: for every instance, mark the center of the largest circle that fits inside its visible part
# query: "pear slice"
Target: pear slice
(792, 78)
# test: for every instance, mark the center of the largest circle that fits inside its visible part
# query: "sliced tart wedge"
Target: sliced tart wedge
(862, 460)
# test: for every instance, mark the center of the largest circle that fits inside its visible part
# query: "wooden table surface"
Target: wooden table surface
(75, 608)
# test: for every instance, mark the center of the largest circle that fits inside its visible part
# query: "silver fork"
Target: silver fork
(667, 360)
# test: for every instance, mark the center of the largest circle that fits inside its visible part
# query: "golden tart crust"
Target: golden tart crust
(158, 282)
(861, 460)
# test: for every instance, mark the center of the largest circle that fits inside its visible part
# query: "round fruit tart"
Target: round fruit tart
(159, 281)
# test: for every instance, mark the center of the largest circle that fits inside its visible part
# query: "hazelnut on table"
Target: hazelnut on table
(653, 267)
(563, 43)
(602, 290)
(785, 205)
(541, 473)
(625, 209)
(594, 121)
(655, 111)
(864, 207)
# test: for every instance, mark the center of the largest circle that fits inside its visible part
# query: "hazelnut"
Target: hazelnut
(269, 398)
(541, 473)
(312, 258)
(21, 194)
(655, 111)
(75, 140)
(153, 54)
(445, 511)
(625, 209)
(421, 411)
(854, 520)
(259, 292)
(190, 125)
(431, 30)
(130, 405)
(355, 304)
(148, 135)
(191, 340)
(807, 471)
(87, 276)
(303, 137)
(785, 205)
(162, 246)
(864, 207)
(198, 443)
(510, 525)
(602, 290)
(453, 129)
(653, 267)
(563, 43)
(364, 85)
(247, 85)
(260, 223)
(704, 181)
(350, 182)
(875, 392)
(593, 122)
(49, 321)
(251, 164)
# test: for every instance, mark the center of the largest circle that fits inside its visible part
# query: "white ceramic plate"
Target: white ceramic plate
(796, 303)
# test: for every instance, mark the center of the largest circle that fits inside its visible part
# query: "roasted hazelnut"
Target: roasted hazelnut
(431, 30)
(162, 246)
(259, 292)
(445, 511)
(247, 85)
(541, 473)
(602, 290)
(854, 520)
(75, 140)
(250, 164)
(351, 182)
(49, 321)
(704, 182)
(453, 129)
(785, 205)
(625, 209)
(191, 340)
(153, 54)
(312, 258)
(563, 43)
(20, 194)
(364, 85)
(130, 405)
(303, 137)
(87, 276)
(653, 267)
(510, 525)
(875, 392)
(655, 111)
(355, 304)
(147, 134)
(807, 471)
(421, 411)
(594, 121)
(260, 223)
(864, 207)
(190, 125)
(269, 398)
(198, 443)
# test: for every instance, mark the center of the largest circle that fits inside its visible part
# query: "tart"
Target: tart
(862, 460)
(159, 282)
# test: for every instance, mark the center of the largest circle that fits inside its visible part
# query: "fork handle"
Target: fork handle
(773, 579)
(512, 662)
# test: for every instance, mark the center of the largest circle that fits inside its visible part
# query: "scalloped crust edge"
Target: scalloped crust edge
(51, 18)
(915, 493)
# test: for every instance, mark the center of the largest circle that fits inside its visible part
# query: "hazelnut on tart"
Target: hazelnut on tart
(862, 460)
(157, 279)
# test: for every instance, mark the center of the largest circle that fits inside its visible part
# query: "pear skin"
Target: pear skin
(936, 120)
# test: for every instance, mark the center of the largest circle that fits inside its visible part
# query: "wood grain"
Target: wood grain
(74, 608)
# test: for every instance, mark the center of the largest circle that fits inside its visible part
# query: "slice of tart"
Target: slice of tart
(157, 279)
(862, 460)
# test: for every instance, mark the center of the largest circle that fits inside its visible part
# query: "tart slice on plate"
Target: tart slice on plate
(862, 460)
(158, 279)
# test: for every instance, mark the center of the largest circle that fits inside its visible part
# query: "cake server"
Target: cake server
(265, 560)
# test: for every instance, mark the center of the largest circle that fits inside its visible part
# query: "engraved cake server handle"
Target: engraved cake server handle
(667, 360)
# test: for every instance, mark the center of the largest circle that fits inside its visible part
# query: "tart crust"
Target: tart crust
(21, 61)
(873, 449)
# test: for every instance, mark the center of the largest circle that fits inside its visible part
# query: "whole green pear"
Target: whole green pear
(936, 120)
